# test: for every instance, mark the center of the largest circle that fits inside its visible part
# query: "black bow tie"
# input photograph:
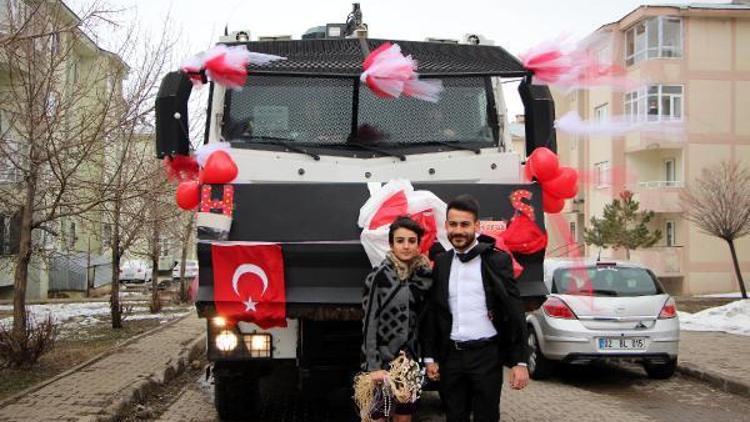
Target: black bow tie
(469, 255)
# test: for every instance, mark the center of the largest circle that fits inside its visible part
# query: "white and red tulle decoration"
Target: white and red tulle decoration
(181, 168)
(397, 198)
(390, 74)
(224, 65)
(572, 65)
(571, 123)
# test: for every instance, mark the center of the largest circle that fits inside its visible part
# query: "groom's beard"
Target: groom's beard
(461, 241)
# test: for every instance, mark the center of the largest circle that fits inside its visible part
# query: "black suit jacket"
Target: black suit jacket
(503, 303)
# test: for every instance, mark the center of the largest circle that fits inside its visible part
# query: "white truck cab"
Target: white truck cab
(308, 138)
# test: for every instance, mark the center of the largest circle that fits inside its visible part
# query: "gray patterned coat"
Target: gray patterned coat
(393, 309)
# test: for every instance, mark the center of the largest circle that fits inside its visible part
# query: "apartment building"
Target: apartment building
(82, 76)
(694, 63)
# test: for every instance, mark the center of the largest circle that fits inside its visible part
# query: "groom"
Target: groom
(474, 323)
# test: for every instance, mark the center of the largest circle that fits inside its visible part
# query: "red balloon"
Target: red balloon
(188, 195)
(552, 204)
(545, 164)
(565, 185)
(219, 169)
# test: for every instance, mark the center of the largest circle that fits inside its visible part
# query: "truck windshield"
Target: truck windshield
(314, 111)
(605, 281)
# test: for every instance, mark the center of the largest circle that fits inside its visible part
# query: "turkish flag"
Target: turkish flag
(249, 283)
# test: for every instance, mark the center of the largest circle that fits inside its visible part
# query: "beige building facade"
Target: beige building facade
(693, 62)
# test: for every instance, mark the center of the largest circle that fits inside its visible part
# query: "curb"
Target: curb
(722, 382)
(89, 362)
(140, 390)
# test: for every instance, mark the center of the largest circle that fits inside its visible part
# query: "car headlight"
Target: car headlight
(226, 341)
(259, 345)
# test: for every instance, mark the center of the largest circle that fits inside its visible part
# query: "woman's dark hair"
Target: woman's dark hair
(405, 222)
(465, 203)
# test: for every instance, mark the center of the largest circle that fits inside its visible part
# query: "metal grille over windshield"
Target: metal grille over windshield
(460, 116)
(299, 110)
(318, 111)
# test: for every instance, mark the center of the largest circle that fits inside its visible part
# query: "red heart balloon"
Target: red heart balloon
(565, 185)
(188, 195)
(544, 163)
(552, 204)
(219, 169)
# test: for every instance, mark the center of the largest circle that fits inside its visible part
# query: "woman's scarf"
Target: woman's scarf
(404, 269)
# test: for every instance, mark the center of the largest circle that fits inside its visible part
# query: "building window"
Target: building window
(602, 174)
(654, 103)
(71, 236)
(54, 46)
(669, 233)
(106, 235)
(51, 103)
(670, 175)
(5, 236)
(601, 113)
(10, 161)
(164, 247)
(659, 36)
(573, 232)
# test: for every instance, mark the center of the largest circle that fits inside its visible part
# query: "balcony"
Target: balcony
(659, 196)
(664, 261)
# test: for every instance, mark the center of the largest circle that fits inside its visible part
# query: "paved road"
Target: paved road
(579, 394)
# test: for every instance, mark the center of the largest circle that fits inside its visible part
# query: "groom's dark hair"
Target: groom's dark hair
(465, 203)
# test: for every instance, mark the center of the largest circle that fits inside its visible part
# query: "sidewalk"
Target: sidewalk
(717, 358)
(100, 388)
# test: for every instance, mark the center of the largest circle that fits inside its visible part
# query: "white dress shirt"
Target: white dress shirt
(471, 321)
(466, 299)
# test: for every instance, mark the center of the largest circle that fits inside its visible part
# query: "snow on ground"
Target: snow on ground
(724, 295)
(732, 318)
(75, 316)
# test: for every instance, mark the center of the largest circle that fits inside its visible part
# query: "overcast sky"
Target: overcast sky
(513, 24)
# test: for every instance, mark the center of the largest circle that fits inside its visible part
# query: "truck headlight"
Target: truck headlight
(259, 345)
(226, 341)
(219, 321)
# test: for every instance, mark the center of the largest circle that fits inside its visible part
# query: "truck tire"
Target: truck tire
(539, 366)
(236, 397)
(661, 371)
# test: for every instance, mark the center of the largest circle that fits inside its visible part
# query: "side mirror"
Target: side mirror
(172, 136)
(540, 116)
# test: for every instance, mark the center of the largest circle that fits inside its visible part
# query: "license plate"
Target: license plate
(622, 343)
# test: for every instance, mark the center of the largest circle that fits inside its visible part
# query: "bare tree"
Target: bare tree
(186, 239)
(162, 218)
(59, 102)
(134, 180)
(718, 202)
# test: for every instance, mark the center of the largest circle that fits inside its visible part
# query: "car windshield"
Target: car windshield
(605, 281)
(320, 111)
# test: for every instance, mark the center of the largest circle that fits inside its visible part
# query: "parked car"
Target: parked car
(135, 271)
(603, 311)
(191, 269)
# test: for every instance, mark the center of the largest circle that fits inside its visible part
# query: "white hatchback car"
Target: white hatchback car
(191, 269)
(135, 271)
(603, 311)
